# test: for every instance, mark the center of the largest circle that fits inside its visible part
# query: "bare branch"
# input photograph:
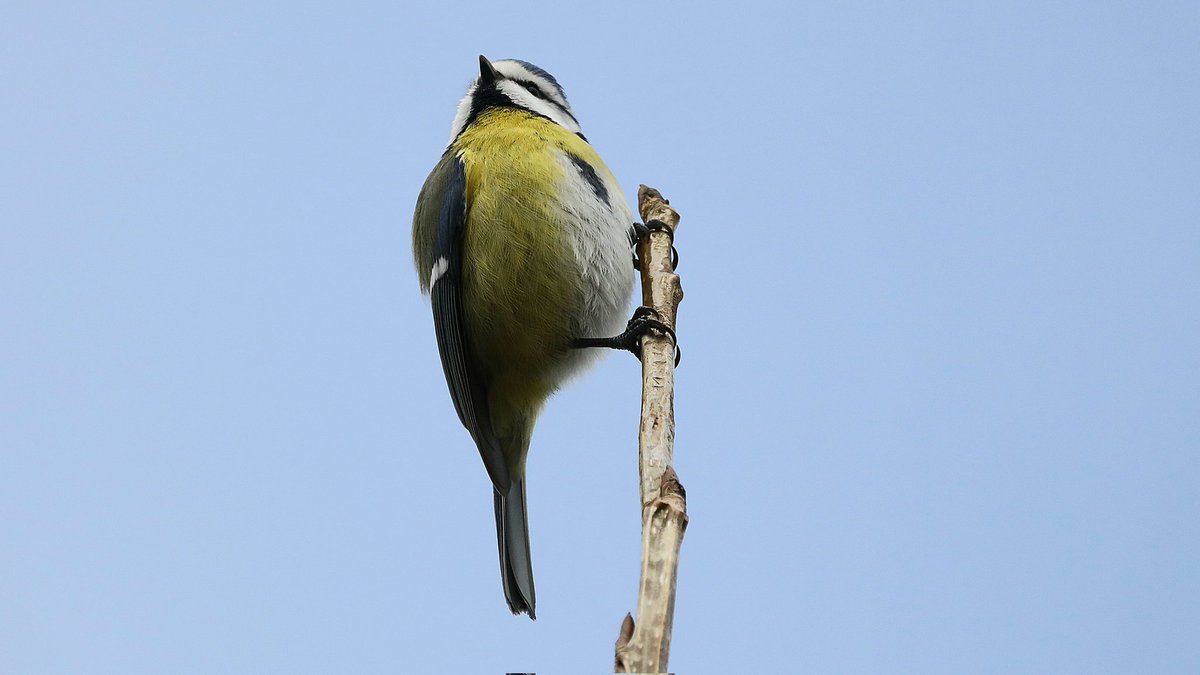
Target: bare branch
(645, 646)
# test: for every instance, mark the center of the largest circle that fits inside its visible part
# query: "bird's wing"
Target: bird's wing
(444, 196)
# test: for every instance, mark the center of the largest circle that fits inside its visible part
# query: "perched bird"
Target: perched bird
(522, 238)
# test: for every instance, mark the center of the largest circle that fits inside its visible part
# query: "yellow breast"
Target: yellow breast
(520, 279)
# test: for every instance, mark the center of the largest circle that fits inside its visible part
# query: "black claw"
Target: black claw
(640, 232)
(643, 321)
(642, 312)
(656, 225)
(637, 232)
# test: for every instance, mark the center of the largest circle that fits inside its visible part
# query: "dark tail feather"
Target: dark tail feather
(512, 534)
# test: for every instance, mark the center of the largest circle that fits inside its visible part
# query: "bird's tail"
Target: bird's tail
(512, 535)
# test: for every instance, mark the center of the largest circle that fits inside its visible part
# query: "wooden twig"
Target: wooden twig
(643, 647)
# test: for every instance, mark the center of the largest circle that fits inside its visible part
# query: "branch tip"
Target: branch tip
(653, 206)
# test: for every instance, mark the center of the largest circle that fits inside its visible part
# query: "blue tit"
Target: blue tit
(521, 237)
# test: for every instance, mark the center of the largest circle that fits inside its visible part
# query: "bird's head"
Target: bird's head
(515, 84)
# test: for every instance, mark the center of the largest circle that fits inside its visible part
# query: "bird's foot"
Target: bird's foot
(643, 322)
(640, 232)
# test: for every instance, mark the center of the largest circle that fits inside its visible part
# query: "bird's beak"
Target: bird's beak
(487, 73)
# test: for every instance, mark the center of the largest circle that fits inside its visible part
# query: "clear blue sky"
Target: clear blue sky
(939, 409)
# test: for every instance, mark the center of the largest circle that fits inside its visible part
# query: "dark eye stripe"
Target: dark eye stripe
(534, 89)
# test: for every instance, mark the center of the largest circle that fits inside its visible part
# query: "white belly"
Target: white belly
(598, 232)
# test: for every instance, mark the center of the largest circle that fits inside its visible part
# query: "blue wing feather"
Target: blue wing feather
(467, 386)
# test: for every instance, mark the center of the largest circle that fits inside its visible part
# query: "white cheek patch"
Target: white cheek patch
(521, 96)
(439, 268)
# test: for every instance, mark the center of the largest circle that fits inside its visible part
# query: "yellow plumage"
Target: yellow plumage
(518, 282)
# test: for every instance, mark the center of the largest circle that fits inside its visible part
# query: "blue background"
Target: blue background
(939, 405)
